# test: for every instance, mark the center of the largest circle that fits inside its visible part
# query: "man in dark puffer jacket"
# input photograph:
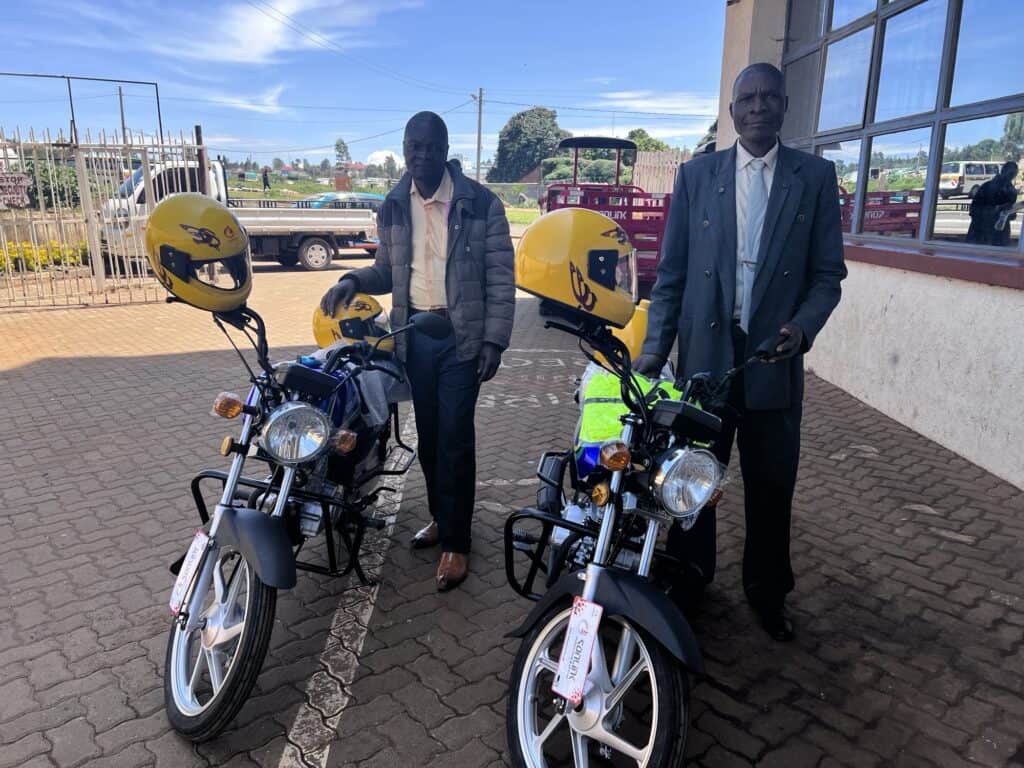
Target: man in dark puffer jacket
(444, 248)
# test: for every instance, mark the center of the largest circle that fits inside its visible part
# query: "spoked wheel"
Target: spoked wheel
(635, 713)
(209, 672)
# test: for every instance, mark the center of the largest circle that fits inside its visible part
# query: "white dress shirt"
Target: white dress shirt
(744, 175)
(430, 245)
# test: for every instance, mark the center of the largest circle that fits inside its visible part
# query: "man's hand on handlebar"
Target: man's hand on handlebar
(649, 365)
(787, 344)
(342, 292)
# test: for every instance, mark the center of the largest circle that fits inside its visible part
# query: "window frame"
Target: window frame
(937, 120)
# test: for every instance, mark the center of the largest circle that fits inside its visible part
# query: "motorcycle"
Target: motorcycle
(602, 667)
(321, 426)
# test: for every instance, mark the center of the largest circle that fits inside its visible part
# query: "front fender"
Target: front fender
(631, 597)
(263, 541)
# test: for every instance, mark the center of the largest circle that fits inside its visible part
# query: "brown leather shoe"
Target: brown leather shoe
(426, 537)
(452, 570)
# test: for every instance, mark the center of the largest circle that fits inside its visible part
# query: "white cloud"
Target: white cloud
(684, 103)
(230, 33)
(379, 156)
(213, 140)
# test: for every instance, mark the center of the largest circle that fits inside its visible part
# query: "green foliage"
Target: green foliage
(391, 169)
(325, 166)
(645, 142)
(599, 171)
(54, 184)
(374, 171)
(527, 138)
(522, 215)
(341, 153)
(711, 135)
(277, 163)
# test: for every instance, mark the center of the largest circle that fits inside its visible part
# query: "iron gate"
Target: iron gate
(72, 216)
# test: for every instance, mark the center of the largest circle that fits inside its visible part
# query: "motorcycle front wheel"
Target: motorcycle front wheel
(209, 672)
(636, 712)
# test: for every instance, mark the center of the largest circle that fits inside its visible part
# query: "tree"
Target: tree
(325, 166)
(374, 171)
(527, 138)
(645, 142)
(341, 153)
(391, 169)
(277, 163)
(1013, 136)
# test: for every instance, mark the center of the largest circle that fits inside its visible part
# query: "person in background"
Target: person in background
(752, 260)
(995, 196)
(266, 179)
(444, 248)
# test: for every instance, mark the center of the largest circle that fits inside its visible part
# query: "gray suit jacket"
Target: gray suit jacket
(800, 266)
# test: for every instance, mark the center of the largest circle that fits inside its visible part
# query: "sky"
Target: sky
(285, 78)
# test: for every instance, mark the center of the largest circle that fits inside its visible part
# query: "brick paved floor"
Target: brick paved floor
(910, 618)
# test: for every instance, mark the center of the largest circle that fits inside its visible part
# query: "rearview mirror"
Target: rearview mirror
(434, 326)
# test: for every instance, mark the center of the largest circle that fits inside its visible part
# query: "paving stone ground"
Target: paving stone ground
(910, 575)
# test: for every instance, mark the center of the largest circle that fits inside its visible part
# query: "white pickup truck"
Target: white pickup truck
(290, 232)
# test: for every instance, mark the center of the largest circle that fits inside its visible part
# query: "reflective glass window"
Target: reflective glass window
(911, 54)
(847, 63)
(977, 199)
(804, 23)
(801, 88)
(896, 180)
(845, 11)
(846, 156)
(988, 53)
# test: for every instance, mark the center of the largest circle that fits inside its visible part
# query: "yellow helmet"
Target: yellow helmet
(581, 261)
(363, 320)
(635, 331)
(189, 233)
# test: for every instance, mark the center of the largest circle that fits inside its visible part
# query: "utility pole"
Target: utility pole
(479, 129)
(120, 101)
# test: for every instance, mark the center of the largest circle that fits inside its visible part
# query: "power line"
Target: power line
(327, 147)
(328, 44)
(608, 111)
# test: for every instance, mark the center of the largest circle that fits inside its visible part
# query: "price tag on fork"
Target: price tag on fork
(577, 648)
(189, 566)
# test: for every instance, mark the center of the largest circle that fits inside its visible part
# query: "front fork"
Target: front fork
(227, 498)
(597, 567)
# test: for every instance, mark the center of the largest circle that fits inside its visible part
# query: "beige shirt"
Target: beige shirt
(430, 246)
(744, 175)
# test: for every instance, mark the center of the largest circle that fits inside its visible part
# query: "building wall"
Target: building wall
(942, 356)
(755, 30)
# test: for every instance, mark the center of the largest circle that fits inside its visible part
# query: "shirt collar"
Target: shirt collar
(443, 193)
(743, 157)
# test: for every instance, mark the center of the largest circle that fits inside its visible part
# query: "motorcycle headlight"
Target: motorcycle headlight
(684, 481)
(295, 433)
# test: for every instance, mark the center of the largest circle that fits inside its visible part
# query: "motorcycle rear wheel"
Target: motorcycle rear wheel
(657, 687)
(210, 672)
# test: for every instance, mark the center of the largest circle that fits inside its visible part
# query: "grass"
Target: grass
(522, 215)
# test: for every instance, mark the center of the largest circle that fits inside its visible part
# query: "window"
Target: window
(988, 53)
(911, 53)
(801, 88)
(896, 182)
(847, 63)
(910, 72)
(845, 11)
(974, 193)
(846, 156)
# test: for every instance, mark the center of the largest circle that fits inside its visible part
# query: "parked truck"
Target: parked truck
(285, 231)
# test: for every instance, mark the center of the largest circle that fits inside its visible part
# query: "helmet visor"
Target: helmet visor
(227, 274)
(608, 268)
(626, 275)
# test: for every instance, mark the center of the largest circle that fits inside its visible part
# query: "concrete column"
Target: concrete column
(755, 30)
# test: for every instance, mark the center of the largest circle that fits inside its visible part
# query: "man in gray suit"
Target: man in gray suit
(752, 258)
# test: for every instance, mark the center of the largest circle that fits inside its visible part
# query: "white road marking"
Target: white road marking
(315, 727)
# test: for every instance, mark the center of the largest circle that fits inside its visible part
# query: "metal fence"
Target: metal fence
(72, 215)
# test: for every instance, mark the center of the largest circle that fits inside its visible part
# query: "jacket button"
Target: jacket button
(721, 190)
(468, 249)
(786, 273)
(706, 223)
(707, 273)
(714, 323)
(456, 227)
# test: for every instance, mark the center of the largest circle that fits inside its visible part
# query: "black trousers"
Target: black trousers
(444, 393)
(769, 448)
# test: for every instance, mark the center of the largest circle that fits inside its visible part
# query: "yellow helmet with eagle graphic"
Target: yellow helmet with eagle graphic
(582, 262)
(199, 252)
(364, 319)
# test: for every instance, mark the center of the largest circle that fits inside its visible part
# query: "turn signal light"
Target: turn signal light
(601, 494)
(615, 456)
(344, 441)
(227, 405)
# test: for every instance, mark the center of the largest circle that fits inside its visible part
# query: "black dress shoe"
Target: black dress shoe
(776, 623)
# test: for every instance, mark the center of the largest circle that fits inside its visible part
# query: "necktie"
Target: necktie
(757, 204)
